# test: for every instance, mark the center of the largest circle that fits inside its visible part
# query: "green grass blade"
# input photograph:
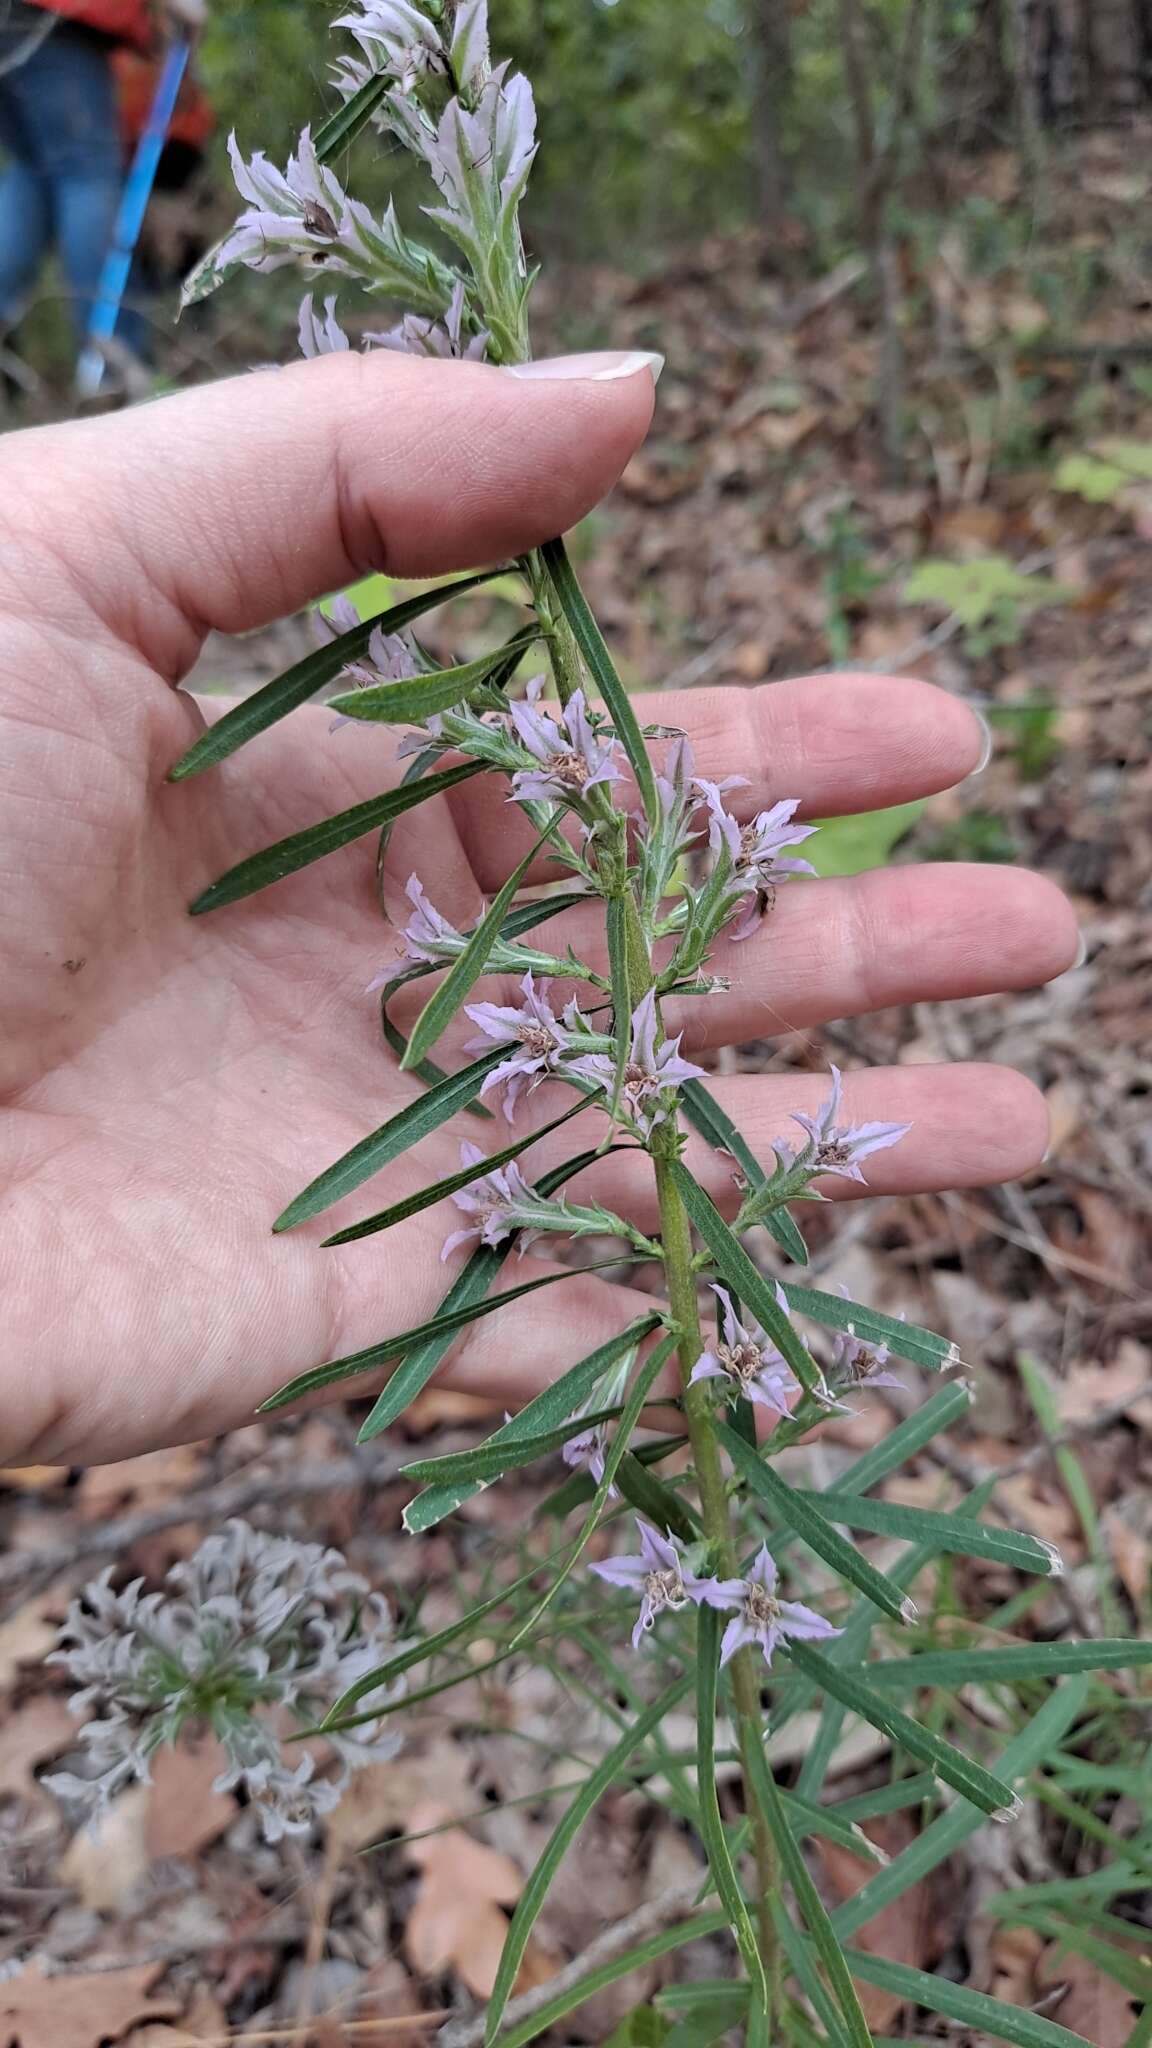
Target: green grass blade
(418, 697)
(539, 1884)
(590, 641)
(922, 1347)
(300, 849)
(706, 1116)
(734, 1265)
(797, 1512)
(638, 1958)
(808, 1901)
(712, 1834)
(950, 1830)
(467, 967)
(970, 1779)
(972, 2009)
(439, 1191)
(951, 1669)
(559, 1402)
(409, 1127)
(264, 707)
(957, 1535)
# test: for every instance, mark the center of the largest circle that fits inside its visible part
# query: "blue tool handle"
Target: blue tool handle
(135, 197)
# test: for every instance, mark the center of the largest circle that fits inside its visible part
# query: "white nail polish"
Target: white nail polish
(588, 369)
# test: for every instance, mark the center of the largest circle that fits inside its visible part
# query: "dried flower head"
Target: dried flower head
(251, 1635)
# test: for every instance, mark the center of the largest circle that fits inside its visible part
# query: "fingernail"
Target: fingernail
(1081, 954)
(989, 743)
(589, 369)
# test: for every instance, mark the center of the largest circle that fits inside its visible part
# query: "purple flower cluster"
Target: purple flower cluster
(532, 1028)
(759, 861)
(663, 1579)
(570, 757)
(494, 1202)
(747, 1361)
(652, 1071)
(838, 1148)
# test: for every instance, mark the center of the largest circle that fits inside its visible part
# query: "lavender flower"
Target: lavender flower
(855, 1364)
(572, 760)
(761, 1617)
(756, 849)
(444, 338)
(651, 1073)
(481, 158)
(251, 1627)
(388, 658)
(661, 1577)
(839, 1148)
(586, 1453)
(396, 38)
(748, 1361)
(532, 1027)
(320, 334)
(495, 1202)
(427, 934)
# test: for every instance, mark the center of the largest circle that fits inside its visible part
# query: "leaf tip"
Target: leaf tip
(1056, 1566)
(1005, 1814)
(909, 1613)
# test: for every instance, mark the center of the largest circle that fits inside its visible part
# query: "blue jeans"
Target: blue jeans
(58, 126)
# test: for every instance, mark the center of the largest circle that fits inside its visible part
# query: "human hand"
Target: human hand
(168, 1083)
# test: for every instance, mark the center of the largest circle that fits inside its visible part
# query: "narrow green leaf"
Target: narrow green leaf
(809, 1903)
(947, 1405)
(711, 1826)
(970, 1779)
(952, 1669)
(923, 1347)
(401, 1387)
(590, 641)
(416, 1121)
(537, 1888)
(345, 124)
(467, 967)
(802, 1963)
(559, 1402)
(300, 849)
(304, 678)
(490, 1461)
(655, 1501)
(734, 1265)
(426, 1198)
(616, 921)
(418, 697)
(798, 1512)
(831, 1825)
(984, 2015)
(638, 1958)
(706, 1116)
(471, 1284)
(956, 1534)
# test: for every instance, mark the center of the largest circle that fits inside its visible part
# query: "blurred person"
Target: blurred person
(60, 129)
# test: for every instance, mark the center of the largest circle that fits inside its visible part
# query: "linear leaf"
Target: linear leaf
(616, 923)
(952, 1828)
(655, 1501)
(558, 1402)
(470, 1285)
(711, 1826)
(957, 1534)
(590, 641)
(304, 678)
(537, 1888)
(417, 697)
(952, 1669)
(645, 1952)
(490, 1461)
(746, 1280)
(970, 1779)
(426, 1198)
(444, 1325)
(972, 2009)
(798, 1512)
(467, 967)
(947, 1405)
(811, 1907)
(831, 1825)
(922, 1347)
(706, 1116)
(411, 1124)
(345, 124)
(300, 849)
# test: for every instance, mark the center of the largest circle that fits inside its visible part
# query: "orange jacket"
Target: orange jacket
(126, 21)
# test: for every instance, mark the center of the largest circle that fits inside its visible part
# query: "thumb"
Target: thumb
(232, 504)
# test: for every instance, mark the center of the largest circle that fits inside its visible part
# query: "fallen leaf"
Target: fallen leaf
(907, 1931)
(456, 1922)
(184, 1813)
(37, 2011)
(39, 1730)
(28, 1635)
(1095, 2006)
(204, 2020)
(1085, 1389)
(102, 1864)
(156, 1476)
(441, 1408)
(1013, 1953)
(381, 1798)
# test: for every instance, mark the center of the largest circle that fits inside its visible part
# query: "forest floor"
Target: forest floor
(754, 537)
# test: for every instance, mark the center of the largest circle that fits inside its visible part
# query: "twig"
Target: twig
(638, 1927)
(212, 1504)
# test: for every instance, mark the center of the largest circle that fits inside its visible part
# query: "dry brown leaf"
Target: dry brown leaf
(184, 1813)
(1013, 1954)
(905, 1932)
(456, 1922)
(382, 1798)
(1085, 1389)
(101, 1865)
(79, 2012)
(154, 1477)
(1096, 2006)
(39, 1730)
(204, 2020)
(28, 1635)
